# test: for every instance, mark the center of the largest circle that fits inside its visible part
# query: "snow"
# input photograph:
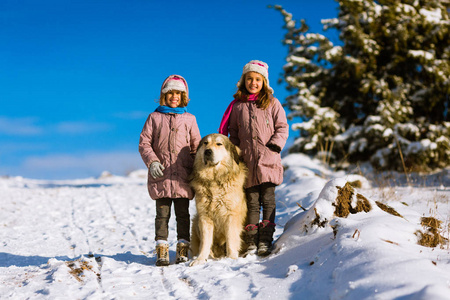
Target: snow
(333, 52)
(93, 239)
(299, 60)
(421, 146)
(351, 132)
(432, 16)
(421, 53)
(405, 8)
(388, 132)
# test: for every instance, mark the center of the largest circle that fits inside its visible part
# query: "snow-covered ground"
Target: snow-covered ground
(93, 239)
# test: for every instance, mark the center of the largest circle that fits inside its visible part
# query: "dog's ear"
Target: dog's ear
(202, 141)
(235, 153)
(238, 150)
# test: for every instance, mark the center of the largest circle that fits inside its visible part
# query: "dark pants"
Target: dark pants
(163, 208)
(257, 196)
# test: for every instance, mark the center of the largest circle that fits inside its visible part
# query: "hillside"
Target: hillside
(93, 239)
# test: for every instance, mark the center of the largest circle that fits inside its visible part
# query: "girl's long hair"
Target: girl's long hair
(183, 102)
(264, 96)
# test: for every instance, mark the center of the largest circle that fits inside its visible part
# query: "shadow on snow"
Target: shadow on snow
(8, 260)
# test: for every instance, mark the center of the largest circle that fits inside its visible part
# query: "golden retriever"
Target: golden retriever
(218, 180)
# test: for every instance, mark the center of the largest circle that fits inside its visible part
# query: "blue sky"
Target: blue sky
(79, 78)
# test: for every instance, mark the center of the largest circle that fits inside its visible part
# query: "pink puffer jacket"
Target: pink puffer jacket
(171, 139)
(251, 129)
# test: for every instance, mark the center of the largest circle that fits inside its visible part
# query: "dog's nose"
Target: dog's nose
(208, 152)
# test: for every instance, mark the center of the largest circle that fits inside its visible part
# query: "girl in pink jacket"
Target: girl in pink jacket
(167, 145)
(257, 124)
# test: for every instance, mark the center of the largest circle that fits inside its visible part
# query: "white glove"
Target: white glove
(156, 169)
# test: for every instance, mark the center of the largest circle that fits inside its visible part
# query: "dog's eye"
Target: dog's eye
(205, 143)
(219, 144)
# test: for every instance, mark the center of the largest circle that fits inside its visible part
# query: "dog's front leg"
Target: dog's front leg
(233, 237)
(206, 228)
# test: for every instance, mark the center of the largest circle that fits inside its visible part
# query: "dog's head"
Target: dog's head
(215, 149)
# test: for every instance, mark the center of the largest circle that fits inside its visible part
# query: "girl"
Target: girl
(257, 124)
(167, 145)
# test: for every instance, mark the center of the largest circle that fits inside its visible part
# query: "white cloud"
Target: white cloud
(132, 115)
(9, 147)
(20, 126)
(72, 166)
(27, 126)
(81, 127)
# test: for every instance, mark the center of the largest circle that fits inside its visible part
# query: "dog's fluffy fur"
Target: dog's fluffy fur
(218, 181)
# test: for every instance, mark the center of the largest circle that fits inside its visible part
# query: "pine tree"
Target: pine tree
(381, 94)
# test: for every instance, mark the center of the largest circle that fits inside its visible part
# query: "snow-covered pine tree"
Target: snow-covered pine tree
(381, 94)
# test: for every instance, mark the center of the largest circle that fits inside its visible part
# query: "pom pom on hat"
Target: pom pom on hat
(174, 84)
(259, 67)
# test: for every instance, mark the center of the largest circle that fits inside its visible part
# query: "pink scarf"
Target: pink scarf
(223, 128)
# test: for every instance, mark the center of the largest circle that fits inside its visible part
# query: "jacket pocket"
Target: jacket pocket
(155, 180)
(269, 158)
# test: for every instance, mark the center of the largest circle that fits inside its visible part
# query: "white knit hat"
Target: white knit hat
(174, 84)
(258, 67)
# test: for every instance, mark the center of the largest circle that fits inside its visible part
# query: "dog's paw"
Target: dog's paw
(197, 262)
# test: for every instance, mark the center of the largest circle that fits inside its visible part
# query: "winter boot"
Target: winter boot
(251, 239)
(266, 230)
(182, 251)
(162, 254)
